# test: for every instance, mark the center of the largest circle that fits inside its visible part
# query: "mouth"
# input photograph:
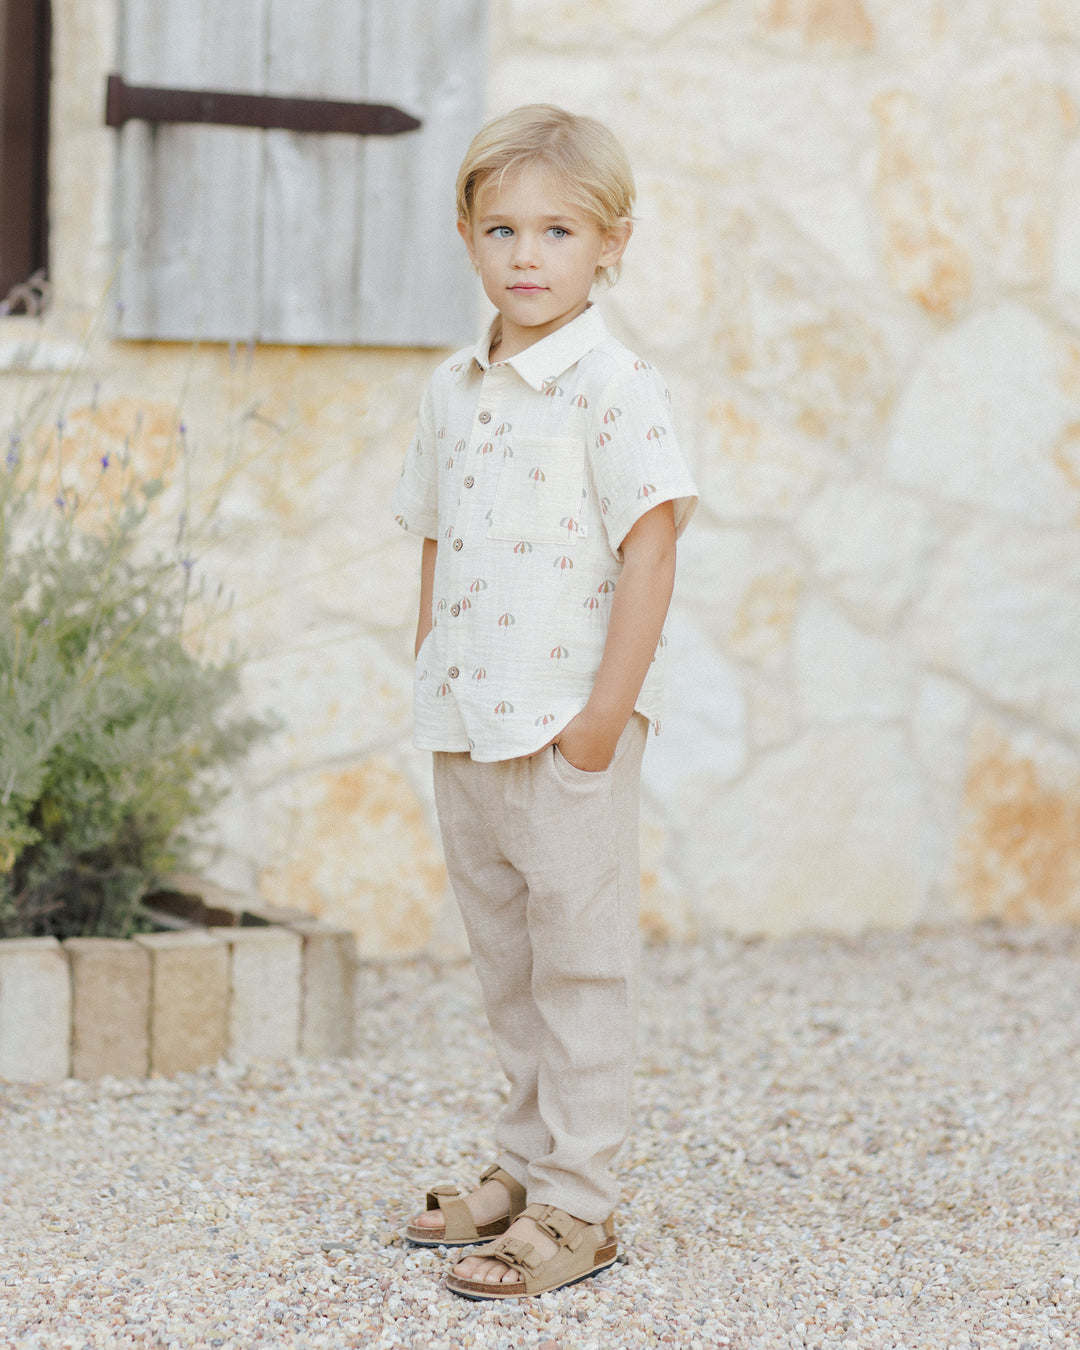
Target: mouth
(523, 288)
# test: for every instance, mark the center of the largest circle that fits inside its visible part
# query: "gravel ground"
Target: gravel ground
(840, 1144)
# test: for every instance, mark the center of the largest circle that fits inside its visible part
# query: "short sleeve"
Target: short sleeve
(634, 454)
(415, 501)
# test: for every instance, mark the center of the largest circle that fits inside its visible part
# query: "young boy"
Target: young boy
(549, 491)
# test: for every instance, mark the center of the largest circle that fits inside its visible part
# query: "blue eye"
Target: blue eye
(560, 231)
(500, 231)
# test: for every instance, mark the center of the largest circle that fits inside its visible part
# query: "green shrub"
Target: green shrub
(113, 731)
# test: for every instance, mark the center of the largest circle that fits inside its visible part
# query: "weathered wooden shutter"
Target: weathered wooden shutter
(235, 233)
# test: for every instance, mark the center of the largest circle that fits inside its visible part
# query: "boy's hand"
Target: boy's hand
(588, 743)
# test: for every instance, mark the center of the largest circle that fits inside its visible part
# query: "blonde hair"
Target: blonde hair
(581, 154)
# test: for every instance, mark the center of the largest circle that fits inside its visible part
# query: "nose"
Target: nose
(524, 254)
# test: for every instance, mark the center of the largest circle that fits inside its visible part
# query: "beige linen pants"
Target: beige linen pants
(544, 862)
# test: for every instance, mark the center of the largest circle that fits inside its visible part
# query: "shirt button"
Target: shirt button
(453, 672)
(470, 481)
(459, 544)
(485, 417)
(455, 610)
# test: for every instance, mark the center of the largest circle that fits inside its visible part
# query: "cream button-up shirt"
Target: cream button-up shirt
(530, 473)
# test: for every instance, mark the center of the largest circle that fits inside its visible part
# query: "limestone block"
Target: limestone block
(1067, 239)
(265, 980)
(672, 240)
(110, 990)
(918, 31)
(1020, 19)
(1018, 849)
(666, 912)
(839, 26)
(328, 990)
(750, 467)
(991, 418)
(35, 1011)
(1009, 125)
(704, 738)
(189, 1002)
(870, 547)
(795, 335)
(579, 81)
(352, 846)
(1001, 615)
(773, 712)
(941, 728)
(743, 587)
(831, 832)
(313, 689)
(842, 673)
(668, 88)
(567, 23)
(926, 252)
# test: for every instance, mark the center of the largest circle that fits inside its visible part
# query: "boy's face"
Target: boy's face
(537, 255)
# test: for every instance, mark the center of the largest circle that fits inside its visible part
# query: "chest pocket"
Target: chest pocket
(540, 496)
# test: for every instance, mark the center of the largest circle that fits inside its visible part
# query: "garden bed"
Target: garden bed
(225, 978)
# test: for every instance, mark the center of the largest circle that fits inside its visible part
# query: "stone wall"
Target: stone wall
(857, 261)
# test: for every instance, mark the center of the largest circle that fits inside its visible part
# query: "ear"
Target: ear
(465, 230)
(615, 242)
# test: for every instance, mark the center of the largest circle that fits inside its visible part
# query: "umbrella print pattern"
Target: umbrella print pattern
(617, 416)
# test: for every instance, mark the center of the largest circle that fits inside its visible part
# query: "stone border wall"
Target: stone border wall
(165, 1003)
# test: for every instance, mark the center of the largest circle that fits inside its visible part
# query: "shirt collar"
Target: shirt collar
(543, 362)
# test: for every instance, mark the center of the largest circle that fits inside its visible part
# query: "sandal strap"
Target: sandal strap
(514, 1188)
(560, 1227)
(438, 1194)
(457, 1218)
(516, 1253)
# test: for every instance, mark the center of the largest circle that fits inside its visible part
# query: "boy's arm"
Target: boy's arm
(638, 611)
(427, 591)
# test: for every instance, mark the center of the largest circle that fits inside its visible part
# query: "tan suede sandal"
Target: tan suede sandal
(459, 1228)
(584, 1249)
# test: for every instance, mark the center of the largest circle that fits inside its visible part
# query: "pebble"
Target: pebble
(840, 1145)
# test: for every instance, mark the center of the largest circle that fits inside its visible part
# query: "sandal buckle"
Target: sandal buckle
(520, 1253)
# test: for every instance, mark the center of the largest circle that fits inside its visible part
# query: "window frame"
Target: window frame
(25, 72)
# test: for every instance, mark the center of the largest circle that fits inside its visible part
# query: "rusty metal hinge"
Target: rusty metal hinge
(125, 102)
